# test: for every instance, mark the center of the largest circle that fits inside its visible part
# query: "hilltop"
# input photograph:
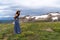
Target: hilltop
(31, 31)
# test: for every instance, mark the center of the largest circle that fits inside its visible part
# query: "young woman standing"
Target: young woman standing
(17, 29)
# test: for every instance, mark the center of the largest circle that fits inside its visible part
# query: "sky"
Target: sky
(9, 7)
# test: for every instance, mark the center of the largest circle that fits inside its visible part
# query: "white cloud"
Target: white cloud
(37, 3)
(5, 16)
(6, 1)
(5, 12)
(3, 7)
(33, 4)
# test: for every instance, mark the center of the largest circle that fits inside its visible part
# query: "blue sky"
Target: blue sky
(27, 7)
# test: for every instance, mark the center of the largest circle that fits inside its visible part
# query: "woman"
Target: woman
(17, 26)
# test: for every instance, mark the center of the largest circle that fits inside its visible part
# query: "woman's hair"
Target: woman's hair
(18, 13)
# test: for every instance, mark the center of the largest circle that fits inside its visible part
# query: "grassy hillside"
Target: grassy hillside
(31, 31)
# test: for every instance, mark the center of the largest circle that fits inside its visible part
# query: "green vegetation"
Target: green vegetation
(31, 31)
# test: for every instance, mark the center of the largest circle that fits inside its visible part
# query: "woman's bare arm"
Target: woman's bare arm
(15, 16)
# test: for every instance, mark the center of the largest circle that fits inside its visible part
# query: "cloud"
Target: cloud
(3, 7)
(6, 12)
(37, 3)
(5, 16)
(32, 3)
(8, 7)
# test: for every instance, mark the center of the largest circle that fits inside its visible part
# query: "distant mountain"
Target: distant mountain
(7, 18)
(6, 21)
(28, 11)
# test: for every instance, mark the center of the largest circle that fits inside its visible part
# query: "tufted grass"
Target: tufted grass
(31, 31)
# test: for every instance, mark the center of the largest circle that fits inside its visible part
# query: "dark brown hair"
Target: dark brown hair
(18, 13)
